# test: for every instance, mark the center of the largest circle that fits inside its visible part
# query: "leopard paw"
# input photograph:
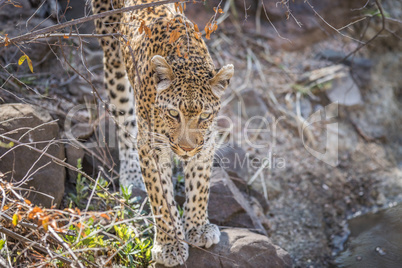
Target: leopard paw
(170, 254)
(206, 235)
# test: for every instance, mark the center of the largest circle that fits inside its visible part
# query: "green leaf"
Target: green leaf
(2, 242)
(148, 254)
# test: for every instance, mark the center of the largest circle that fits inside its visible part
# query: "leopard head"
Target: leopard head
(188, 99)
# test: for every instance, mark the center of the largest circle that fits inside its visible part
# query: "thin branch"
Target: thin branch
(30, 36)
(34, 244)
(65, 246)
(270, 22)
(330, 26)
(372, 38)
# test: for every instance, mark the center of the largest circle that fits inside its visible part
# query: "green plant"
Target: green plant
(180, 178)
(81, 188)
(181, 211)
(125, 244)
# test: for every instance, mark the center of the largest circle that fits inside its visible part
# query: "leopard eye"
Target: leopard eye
(205, 116)
(173, 113)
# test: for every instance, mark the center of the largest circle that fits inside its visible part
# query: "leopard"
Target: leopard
(165, 94)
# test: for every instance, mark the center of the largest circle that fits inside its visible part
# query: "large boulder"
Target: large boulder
(228, 206)
(33, 126)
(239, 248)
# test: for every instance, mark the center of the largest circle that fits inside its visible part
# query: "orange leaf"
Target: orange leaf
(196, 28)
(6, 40)
(215, 27)
(34, 212)
(141, 28)
(45, 223)
(27, 202)
(186, 55)
(178, 50)
(174, 36)
(59, 230)
(220, 11)
(207, 31)
(78, 211)
(148, 31)
(104, 215)
(66, 36)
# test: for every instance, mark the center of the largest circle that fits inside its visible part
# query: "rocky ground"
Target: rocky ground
(297, 190)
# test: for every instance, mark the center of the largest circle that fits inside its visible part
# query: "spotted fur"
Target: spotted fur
(177, 94)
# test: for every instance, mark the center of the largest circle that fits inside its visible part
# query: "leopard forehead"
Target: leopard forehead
(190, 91)
(191, 99)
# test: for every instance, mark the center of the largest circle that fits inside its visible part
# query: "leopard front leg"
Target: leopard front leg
(120, 93)
(169, 246)
(199, 231)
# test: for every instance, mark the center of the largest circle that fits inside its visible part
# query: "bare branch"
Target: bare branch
(34, 244)
(32, 35)
(375, 36)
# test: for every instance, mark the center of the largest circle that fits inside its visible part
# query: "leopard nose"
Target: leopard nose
(187, 149)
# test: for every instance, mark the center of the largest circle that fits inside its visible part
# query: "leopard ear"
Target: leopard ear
(163, 75)
(221, 80)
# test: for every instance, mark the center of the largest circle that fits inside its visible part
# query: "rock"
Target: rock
(239, 248)
(231, 157)
(345, 91)
(250, 194)
(227, 205)
(368, 126)
(375, 240)
(31, 124)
